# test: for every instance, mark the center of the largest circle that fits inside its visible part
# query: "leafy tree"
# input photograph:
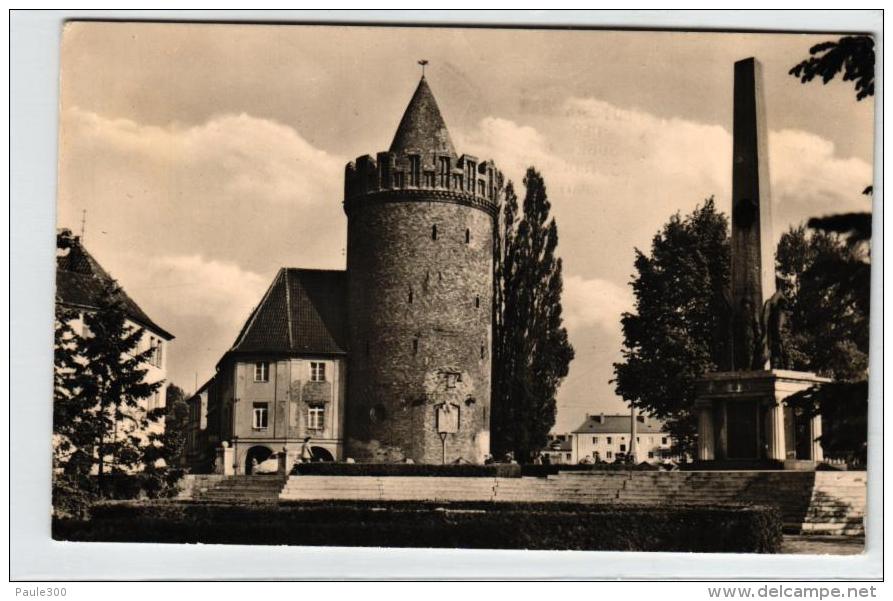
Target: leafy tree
(531, 351)
(825, 278)
(821, 277)
(854, 55)
(164, 457)
(679, 329)
(843, 404)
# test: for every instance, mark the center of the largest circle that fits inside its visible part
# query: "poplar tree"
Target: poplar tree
(531, 351)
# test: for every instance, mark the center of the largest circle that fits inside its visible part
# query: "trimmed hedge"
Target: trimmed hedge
(553, 469)
(553, 526)
(495, 470)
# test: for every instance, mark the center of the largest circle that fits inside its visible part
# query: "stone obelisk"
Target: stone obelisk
(753, 265)
(741, 412)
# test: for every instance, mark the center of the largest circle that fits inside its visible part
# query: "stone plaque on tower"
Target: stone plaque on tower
(741, 412)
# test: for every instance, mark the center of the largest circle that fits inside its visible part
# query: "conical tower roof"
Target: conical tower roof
(422, 127)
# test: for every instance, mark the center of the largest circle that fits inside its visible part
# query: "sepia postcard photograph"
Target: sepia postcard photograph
(343, 285)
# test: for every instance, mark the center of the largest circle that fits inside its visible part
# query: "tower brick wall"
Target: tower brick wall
(420, 278)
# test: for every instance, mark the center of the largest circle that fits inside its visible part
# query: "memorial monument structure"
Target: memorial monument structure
(742, 413)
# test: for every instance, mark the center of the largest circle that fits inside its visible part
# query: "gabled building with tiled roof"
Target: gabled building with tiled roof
(81, 283)
(282, 379)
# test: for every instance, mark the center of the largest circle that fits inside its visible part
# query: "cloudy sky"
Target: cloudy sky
(208, 156)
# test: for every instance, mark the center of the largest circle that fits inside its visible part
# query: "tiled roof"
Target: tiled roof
(422, 127)
(618, 424)
(81, 280)
(303, 311)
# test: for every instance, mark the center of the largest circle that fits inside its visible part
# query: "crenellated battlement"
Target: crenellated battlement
(465, 178)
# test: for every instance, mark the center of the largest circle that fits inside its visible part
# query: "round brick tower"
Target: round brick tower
(420, 223)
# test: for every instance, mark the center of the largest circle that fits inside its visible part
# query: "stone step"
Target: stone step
(834, 503)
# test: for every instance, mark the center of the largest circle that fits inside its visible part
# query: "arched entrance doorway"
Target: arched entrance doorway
(321, 454)
(259, 453)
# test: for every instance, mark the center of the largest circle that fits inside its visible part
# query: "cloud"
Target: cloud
(203, 302)
(219, 290)
(809, 179)
(594, 302)
(237, 188)
(195, 221)
(615, 175)
(235, 156)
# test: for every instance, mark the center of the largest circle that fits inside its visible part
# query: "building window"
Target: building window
(410, 296)
(481, 187)
(317, 371)
(637, 439)
(663, 440)
(415, 346)
(483, 351)
(595, 440)
(568, 456)
(610, 440)
(623, 448)
(262, 371)
(316, 418)
(609, 454)
(415, 170)
(444, 172)
(434, 232)
(260, 414)
(158, 353)
(650, 455)
(467, 235)
(385, 170)
(477, 302)
(451, 380)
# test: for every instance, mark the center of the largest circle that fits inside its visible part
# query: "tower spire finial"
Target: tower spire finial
(423, 62)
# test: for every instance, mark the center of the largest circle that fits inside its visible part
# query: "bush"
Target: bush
(553, 469)
(495, 470)
(150, 483)
(610, 467)
(556, 526)
(72, 496)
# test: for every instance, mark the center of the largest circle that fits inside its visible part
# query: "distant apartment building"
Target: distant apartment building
(608, 438)
(605, 437)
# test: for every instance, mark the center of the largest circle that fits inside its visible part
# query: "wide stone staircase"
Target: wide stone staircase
(810, 502)
(243, 489)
